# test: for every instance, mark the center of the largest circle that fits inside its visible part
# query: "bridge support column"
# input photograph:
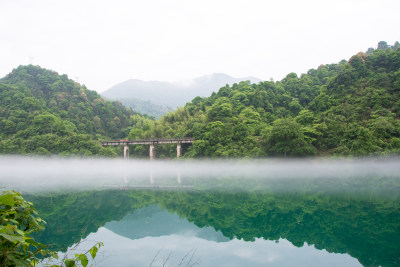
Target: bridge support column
(178, 150)
(126, 152)
(151, 152)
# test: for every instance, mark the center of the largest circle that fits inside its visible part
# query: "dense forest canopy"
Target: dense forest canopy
(146, 107)
(44, 112)
(348, 108)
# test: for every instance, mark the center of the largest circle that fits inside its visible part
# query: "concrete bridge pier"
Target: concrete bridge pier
(152, 152)
(178, 150)
(126, 152)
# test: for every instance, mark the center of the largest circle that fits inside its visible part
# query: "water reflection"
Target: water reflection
(227, 209)
(153, 221)
(364, 226)
(121, 251)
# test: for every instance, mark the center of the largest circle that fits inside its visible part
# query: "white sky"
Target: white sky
(102, 43)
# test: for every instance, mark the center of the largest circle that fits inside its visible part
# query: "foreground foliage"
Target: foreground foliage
(18, 221)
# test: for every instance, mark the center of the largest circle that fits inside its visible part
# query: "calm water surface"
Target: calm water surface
(183, 220)
(215, 228)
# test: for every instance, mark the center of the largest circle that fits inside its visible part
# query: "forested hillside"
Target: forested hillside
(145, 107)
(44, 112)
(348, 108)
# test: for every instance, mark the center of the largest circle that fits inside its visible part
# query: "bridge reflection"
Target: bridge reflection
(139, 187)
(167, 184)
(148, 180)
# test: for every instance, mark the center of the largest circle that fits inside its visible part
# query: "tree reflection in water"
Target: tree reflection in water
(364, 223)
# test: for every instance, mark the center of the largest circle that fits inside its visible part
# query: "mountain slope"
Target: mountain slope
(43, 111)
(145, 107)
(155, 222)
(349, 108)
(171, 94)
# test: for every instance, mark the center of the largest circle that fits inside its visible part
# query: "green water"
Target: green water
(329, 222)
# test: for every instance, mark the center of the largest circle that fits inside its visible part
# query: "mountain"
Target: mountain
(145, 107)
(347, 108)
(168, 94)
(44, 112)
(350, 108)
(155, 222)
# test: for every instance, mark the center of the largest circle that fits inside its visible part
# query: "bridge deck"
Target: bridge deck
(153, 141)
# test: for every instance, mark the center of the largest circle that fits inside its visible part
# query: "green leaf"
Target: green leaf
(7, 200)
(18, 259)
(20, 232)
(33, 242)
(70, 263)
(83, 259)
(12, 238)
(12, 220)
(93, 251)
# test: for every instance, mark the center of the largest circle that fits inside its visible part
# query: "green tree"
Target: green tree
(286, 138)
(18, 220)
(383, 45)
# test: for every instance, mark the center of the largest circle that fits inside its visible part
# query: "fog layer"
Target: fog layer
(30, 172)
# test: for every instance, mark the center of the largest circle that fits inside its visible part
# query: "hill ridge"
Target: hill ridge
(170, 94)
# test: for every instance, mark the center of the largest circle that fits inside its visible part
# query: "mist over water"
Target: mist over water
(35, 173)
(309, 212)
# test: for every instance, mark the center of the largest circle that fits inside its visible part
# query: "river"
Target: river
(307, 218)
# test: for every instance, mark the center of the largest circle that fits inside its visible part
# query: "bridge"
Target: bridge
(152, 142)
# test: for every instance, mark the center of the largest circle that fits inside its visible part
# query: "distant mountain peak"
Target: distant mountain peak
(172, 94)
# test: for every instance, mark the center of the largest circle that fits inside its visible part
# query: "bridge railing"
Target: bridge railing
(161, 139)
(149, 141)
(152, 142)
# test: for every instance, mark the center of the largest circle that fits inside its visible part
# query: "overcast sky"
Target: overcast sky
(101, 43)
